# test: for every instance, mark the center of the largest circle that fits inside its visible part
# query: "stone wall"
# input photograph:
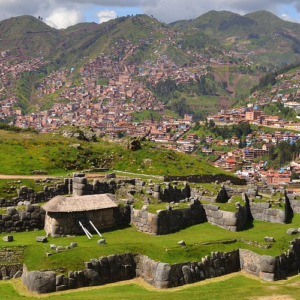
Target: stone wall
(232, 221)
(294, 203)
(27, 195)
(207, 179)
(272, 268)
(100, 271)
(81, 187)
(33, 217)
(127, 266)
(163, 275)
(258, 265)
(171, 193)
(233, 191)
(264, 212)
(168, 221)
(119, 267)
(10, 271)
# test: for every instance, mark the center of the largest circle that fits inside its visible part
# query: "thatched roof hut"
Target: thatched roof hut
(79, 203)
(64, 214)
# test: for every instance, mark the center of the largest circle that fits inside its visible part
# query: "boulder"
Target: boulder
(40, 282)
(41, 239)
(269, 239)
(182, 243)
(292, 231)
(267, 264)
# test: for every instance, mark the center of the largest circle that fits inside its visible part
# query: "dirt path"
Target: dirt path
(24, 176)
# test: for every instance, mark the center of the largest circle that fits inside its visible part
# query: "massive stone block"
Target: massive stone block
(40, 282)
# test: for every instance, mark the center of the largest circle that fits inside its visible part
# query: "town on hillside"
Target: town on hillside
(114, 96)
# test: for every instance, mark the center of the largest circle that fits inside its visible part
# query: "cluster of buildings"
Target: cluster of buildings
(11, 69)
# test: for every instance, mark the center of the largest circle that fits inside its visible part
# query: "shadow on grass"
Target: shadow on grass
(249, 225)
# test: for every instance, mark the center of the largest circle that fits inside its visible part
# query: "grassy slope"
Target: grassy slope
(22, 153)
(30, 34)
(233, 287)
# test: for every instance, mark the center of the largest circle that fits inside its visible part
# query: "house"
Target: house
(64, 214)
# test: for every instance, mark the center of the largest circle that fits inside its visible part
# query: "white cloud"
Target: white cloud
(106, 15)
(286, 17)
(165, 10)
(172, 10)
(62, 17)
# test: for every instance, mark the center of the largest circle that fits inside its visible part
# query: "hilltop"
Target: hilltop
(262, 36)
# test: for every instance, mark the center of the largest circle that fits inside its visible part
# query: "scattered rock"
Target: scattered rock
(101, 242)
(269, 239)
(41, 239)
(292, 231)
(52, 246)
(73, 245)
(110, 176)
(8, 238)
(182, 243)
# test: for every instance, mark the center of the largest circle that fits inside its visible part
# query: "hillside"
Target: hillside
(22, 153)
(261, 36)
(227, 51)
(28, 37)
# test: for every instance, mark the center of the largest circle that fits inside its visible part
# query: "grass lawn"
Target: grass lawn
(160, 248)
(234, 287)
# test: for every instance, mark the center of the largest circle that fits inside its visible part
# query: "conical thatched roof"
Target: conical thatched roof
(79, 203)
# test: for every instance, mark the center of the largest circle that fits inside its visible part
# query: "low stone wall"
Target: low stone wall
(233, 191)
(163, 275)
(33, 217)
(294, 203)
(271, 268)
(127, 266)
(171, 193)
(26, 194)
(115, 268)
(261, 266)
(207, 179)
(232, 221)
(264, 212)
(107, 269)
(10, 271)
(168, 221)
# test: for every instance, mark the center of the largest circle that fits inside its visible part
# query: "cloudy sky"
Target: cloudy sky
(64, 13)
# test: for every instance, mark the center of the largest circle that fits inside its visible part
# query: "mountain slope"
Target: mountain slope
(261, 36)
(27, 36)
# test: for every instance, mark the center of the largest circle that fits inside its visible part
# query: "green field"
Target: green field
(160, 248)
(234, 287)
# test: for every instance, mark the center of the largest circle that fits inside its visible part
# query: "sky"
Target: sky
(63, 13)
